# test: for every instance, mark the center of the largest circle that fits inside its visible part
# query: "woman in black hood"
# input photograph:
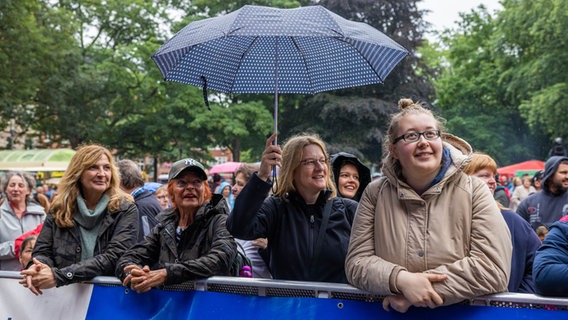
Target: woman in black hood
(351, 176)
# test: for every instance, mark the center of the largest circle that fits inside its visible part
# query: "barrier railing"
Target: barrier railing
(341, 294)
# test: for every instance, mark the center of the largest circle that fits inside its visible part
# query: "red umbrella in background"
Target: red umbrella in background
(530, 166)
(227, 167)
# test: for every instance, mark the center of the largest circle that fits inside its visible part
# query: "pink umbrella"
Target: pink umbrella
(227, 167)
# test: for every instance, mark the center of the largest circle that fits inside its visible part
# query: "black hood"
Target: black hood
(337, 160)
(550, 168)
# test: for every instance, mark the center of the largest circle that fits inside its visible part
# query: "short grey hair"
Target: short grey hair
(130, 174)
(29, 180)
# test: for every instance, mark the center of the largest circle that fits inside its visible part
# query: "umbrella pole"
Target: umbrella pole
(274, 176)
(276, 94)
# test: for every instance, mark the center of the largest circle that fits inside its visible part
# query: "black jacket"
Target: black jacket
(60, 248)
(206, 248)
(292, 228)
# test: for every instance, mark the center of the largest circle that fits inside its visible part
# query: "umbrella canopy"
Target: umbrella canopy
(259, 49)
(227, 167)
(529, 166)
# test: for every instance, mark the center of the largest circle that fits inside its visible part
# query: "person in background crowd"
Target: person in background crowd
(551, 203)
(18, 214)
(427, 234)
(131, 182)
(242, 176)
(522, 192)
(190, 242)
(226, 190)
(53, 192)
(541, 232)
(525, 241)
(162, 195)
(215, 182)
(550, 267)
(537, 181)
(19, 240)
(25, 252)
(252, 247)
(41, 198)
(350, 175)
(557, 149)
(516, 182)
(92, 223)
(304, 210)
(501, 193)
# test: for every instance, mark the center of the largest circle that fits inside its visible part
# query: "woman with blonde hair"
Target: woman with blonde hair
(92, 222)
(307, 226)
(426, 234)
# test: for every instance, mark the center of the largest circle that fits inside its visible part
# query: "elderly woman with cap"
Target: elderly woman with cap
(351, 176)
(190, 241)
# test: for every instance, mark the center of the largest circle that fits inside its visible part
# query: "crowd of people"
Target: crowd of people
(435, 228)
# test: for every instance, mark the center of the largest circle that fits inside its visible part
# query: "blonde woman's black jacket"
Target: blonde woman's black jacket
(60, 248)
(292, 228)
(205, 249)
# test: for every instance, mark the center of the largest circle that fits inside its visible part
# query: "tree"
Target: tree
(534, 60)
(100, 77)
(30, 51)
(475, 91)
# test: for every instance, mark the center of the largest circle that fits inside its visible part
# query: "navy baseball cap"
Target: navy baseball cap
(187, 164)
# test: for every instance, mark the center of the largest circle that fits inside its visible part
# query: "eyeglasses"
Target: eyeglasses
(182, 184)
(411, 137)
(312, 162)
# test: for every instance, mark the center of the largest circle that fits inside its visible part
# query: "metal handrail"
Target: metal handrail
(268, 287)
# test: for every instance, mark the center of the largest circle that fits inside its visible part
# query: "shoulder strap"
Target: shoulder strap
(321, 234)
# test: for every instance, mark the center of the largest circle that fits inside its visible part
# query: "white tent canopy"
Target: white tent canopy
(35, 160)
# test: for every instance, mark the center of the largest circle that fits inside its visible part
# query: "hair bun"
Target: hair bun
(404, 103)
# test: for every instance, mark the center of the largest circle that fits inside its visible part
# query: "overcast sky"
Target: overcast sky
(446, 12)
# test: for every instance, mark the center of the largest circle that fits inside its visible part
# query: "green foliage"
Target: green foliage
(534, 54)
(476, 92)
(237, 126)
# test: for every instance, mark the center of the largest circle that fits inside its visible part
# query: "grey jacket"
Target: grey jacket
(11, 227)
(206, 248)
(60, 248)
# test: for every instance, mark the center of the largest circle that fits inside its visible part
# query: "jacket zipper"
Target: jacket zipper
(312, 223)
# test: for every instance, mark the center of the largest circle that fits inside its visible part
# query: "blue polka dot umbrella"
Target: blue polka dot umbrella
(259, 49)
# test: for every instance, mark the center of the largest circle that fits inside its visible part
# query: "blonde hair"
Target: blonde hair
(407, 107)
(69, 187)
(292, 154)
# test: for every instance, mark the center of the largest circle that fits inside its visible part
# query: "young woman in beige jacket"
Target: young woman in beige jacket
(427, 234)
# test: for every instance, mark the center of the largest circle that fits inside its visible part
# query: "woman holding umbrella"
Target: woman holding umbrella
(307, 226)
